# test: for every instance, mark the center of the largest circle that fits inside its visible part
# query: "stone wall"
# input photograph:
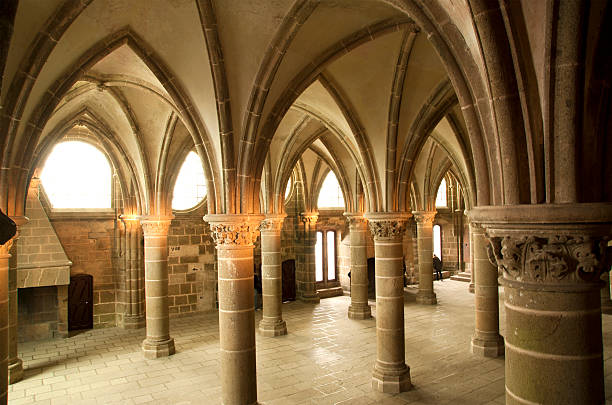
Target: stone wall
(192, 271)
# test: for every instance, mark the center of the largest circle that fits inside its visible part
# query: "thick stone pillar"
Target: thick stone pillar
(486, 341)
(4, 320)
(15, 365)
(551, 257)
(306, 277)
(234, 236)
(272, 323)
(134, 316)
(158, 342)
(359, 308)
(391, 374)
(606, 302)
(424, 220)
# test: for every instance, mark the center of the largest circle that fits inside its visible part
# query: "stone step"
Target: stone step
(465, 277)
(329, 292)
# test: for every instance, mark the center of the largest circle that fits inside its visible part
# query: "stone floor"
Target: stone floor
(325, 359)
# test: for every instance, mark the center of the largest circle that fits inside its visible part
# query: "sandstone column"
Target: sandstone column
(4, 320)
(306, 279)
(391, 374)
(158, 342)
(471, 240)
(272, 323)
(134, 317)
(424, 220)
(551, 257)
(234, 236)
(606, 302)
(486, 341)
(359, 308)
(15, 365)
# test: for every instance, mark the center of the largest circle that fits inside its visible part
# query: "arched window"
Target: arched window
(325, 259)
(288, 189)
(190, 187)
(77, 175)
(330, 195)
(437, 241)
(441, 196)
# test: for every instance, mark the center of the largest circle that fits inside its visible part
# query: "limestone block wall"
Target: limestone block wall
(192, 271)
(88, 242)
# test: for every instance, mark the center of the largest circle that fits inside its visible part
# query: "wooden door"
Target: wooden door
(288, 268)
(80, 302)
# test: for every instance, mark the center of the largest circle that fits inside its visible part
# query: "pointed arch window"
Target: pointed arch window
(190, 186)
(330, 195)
(441, 196)
(77, 175)
(288, 188)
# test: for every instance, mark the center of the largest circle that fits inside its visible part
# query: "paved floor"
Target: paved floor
(325, 359)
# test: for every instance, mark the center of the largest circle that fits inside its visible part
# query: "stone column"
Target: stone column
(158, 342)
(606, 303)
(486, 341)
(234, 236)
(307, 288)
(134, 317)
(391, 374)
(272, 323)
(359, 308)
(424, 220)
(15, 365)
(4, 320)
(551, 257)
(471, 240)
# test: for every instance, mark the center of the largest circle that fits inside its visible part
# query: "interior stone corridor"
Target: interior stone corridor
(325, 359)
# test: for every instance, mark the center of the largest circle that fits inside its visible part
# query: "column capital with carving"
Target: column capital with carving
(6, 248)
(387, 225)
(424, 217)
(272, 223)
(156, 226)
(356, 219)
(234, 230)
(310, 217)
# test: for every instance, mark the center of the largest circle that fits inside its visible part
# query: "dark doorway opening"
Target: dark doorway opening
(80, 302)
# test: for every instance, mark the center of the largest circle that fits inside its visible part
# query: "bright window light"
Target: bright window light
(319, 257)
(77, 175)
(330, 195)
(441, 196)
(437, 241)
(288, 189)
(190, 187)
(331, 255)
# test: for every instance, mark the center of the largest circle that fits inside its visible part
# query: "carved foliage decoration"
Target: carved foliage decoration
(269, 224)
(551, 259)
(241, 234)
(387, 229)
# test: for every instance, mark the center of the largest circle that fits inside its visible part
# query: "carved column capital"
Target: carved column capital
(424, 217)
(272, 223)
(156, 226)
(234, 230)
(356, 220)
(309, 217)
(388, 225)
(6, 248)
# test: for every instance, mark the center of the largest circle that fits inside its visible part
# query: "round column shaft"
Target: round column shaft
(551, 257)
(424, 220)
(4, 320)
(307, 283)
(486, 341)
(391, 374)
(158, 342)
(15, 365)
(359, 308)
(272, 323)
(133, 318)
(234, 236)
(606, 302)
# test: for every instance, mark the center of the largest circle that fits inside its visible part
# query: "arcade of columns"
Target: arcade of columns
(550, 268)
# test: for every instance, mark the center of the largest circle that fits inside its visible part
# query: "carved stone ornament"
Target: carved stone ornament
(556, 259)
(155, 228)
(6, 248)
(424, 217)
(240, 234)
(310, 218)
(388, 229)
(271, 224)
(356, 220)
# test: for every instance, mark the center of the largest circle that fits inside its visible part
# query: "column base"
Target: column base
(471, 288)
(15, 371)
(391, 381)
(155, 349)
(133, 322)
(488, 347)
(359, 312)
(426, 297)
(311, 297)
(272, 329)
